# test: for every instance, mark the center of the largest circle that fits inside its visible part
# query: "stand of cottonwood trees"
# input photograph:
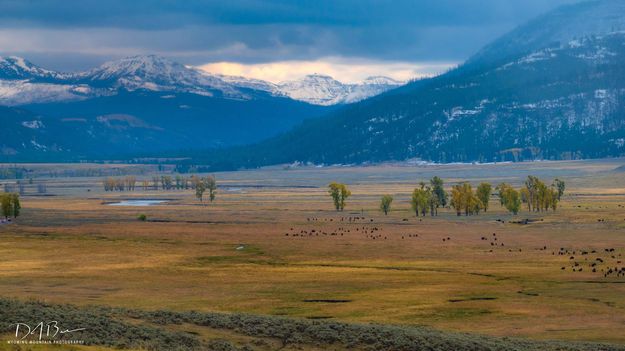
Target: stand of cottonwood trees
(164, 182)
(119, 184)
(199, 184)
(429, 197)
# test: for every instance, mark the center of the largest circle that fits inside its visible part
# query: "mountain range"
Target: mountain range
(553, 88)
(22, 82)
(149, 103)
(319, 89)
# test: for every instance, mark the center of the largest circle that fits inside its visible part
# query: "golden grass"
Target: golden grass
(72, 248)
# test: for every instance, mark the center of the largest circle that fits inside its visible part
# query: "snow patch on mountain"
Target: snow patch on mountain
(32, 124)
(251, 83)
(21, 92)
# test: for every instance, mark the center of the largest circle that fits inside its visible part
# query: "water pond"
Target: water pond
(137, 203)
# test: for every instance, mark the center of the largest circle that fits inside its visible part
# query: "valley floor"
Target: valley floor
(482, 274)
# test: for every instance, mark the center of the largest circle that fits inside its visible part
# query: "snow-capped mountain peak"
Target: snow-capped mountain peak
(316, 89)
(143, 72)
(13, 67)
(145, 67)
(321, 89)
(155, 73)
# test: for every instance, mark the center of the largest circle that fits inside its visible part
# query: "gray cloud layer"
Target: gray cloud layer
(76, 34)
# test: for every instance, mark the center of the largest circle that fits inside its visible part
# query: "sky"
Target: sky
(275, 40)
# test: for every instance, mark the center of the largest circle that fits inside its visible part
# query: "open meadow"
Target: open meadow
(272, 244)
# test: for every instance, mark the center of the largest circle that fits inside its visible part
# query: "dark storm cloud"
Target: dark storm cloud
(259, 31)
(167, 14)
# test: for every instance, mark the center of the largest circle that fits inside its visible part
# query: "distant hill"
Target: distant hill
(129, 123)
(551, 89)
(151, 104)
(134, 105)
